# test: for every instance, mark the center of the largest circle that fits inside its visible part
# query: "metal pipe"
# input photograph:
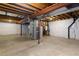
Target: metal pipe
(74, 20)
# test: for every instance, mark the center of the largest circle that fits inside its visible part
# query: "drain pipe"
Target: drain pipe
(74, 20)
(75, 17)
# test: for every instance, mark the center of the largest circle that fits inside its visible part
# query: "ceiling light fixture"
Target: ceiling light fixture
(9, 20)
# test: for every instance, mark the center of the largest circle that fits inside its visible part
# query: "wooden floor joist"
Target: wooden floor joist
(49, 9)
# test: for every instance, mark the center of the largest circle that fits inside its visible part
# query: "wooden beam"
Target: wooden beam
(41, 5)
(4, 18)
(37, 5)
(77, 12)
(59, 17)
(33, 6)
(49, 9)
(8, 7)
(67, 15)
(19, 7)
(8, 10)
(11, 10)
(63, 16)
(24, 6)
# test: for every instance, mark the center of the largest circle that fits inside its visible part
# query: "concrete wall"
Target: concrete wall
(60, 28)
(9, 28)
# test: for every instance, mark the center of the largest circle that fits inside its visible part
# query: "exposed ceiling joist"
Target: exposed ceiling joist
(50, 8)
(67, 15)
(4, 18)
(33, 6)
(24, 6)
(41, 5)
(58, 17)
(12, 11)
(61, 17)
(17, 10)
(19, 7)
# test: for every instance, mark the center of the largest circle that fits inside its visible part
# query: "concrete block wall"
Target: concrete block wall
(60, 28)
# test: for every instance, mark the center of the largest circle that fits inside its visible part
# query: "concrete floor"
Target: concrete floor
(49, 46)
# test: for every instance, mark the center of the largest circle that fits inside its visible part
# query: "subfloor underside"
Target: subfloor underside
(49, 46)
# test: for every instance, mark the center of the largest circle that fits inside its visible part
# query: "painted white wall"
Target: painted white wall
(60, 28)
(76, 29)
(9, 28)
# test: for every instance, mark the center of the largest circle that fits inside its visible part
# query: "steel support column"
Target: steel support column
(21, 30)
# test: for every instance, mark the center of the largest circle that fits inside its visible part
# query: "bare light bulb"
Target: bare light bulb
(10, 20)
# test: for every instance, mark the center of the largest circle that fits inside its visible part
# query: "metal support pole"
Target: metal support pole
(33, 30)
(6, 13)
(21, 30)
(48, 28)
(38, 35)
